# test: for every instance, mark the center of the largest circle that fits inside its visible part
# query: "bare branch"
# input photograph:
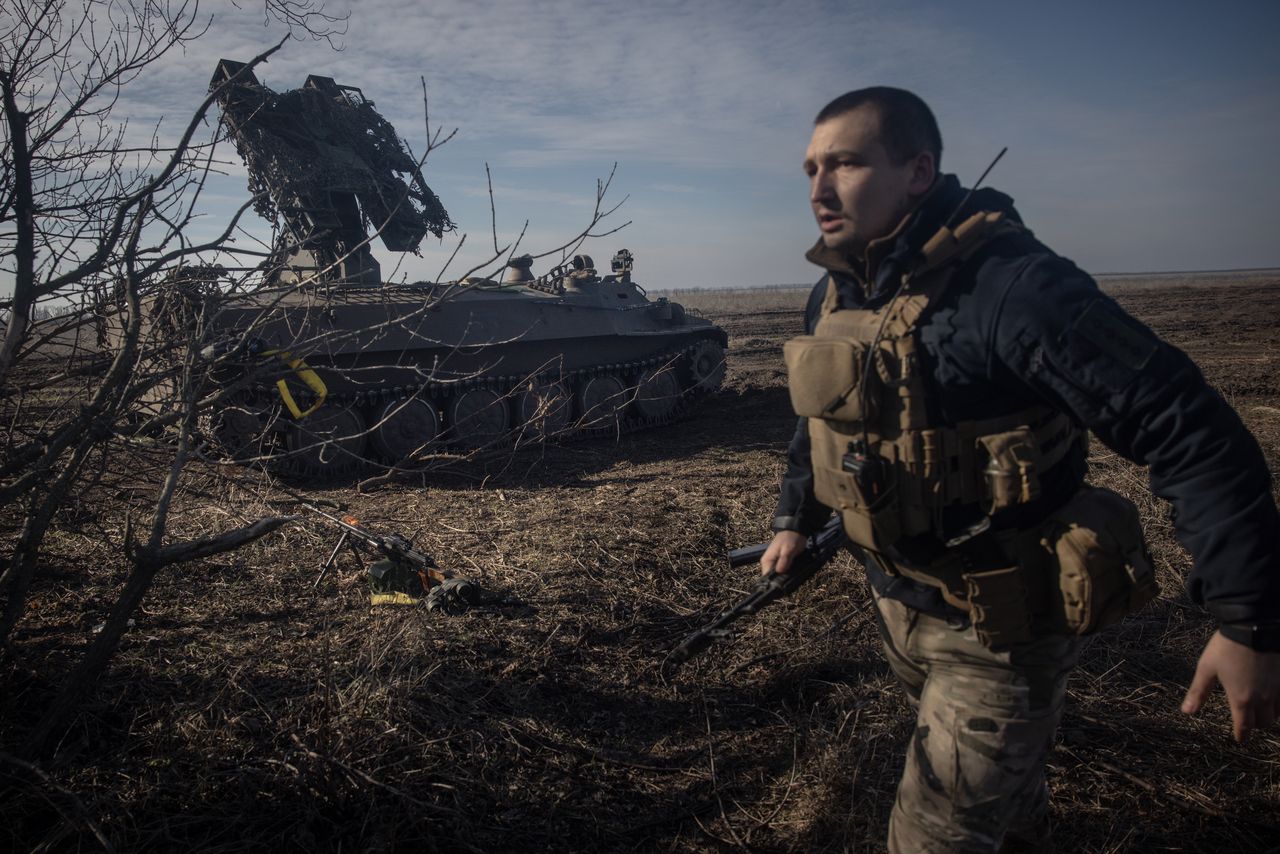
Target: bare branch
(204, 547)
(493, 214)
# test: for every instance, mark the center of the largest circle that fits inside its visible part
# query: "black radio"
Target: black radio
(868, 470)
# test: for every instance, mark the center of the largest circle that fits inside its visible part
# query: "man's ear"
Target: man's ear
(923, 171)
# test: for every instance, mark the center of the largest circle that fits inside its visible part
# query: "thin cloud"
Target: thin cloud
(706, 108)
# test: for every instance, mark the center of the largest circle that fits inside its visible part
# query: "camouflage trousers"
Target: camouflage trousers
(974, 776)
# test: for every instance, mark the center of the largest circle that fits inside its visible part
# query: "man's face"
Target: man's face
(857, 193)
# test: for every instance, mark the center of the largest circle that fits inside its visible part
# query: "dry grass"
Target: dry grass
(248, 712)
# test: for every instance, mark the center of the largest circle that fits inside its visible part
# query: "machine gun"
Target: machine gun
(333, 170)
(771, 586)
(404, 575)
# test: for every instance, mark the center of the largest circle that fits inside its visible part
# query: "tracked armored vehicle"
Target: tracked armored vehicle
(326, 367)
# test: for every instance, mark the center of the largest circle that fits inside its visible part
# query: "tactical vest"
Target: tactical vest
(884, 461)
(878, 456)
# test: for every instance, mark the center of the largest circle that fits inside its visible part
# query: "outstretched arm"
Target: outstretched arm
(1075, 348)
(1250, 678)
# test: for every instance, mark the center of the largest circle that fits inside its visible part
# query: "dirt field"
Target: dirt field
(248, 712)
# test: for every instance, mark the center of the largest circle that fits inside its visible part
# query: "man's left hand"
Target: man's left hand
(1250, 678)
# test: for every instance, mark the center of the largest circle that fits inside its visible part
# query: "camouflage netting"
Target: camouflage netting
(304, 145)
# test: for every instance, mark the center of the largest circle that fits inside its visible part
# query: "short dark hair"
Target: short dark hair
(907, 125)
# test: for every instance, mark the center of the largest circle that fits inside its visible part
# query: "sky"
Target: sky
(1142, 136)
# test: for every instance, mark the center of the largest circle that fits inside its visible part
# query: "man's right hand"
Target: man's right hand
(782, 550)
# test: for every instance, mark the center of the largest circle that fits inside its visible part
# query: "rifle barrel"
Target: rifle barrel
(746, 555)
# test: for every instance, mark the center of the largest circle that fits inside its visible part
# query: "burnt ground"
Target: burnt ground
(248, 711)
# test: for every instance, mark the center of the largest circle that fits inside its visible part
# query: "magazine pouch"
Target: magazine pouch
(1104, 571)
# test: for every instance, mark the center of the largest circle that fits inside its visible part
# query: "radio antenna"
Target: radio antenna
(975, 186)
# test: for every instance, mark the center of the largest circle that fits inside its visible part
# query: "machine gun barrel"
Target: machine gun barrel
(770, 587)
(392, 546)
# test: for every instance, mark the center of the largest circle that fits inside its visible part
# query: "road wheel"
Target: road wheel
(545, 409)
(601, 401)
(479, 417)
(705, 368)
(657, 394)
(327, 442)
(405, 426)
(238, 429)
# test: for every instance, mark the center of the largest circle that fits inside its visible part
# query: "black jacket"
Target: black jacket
(1020, 325)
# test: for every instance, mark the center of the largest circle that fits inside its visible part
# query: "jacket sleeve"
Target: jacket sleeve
(1069, 344)
(798, 509)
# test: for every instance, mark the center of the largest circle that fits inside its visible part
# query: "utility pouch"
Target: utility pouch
(998, 606)
(883, 520)
(1104, 571)
(823, 376)
(873, 522)
(1011, 475)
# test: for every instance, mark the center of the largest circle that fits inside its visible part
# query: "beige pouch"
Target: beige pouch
(1104, 571)
(871, 522)
(998, 607)
(1011, 474)
(823, 375)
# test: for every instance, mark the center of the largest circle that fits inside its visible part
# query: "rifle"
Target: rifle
(771, 586)
(443, 589)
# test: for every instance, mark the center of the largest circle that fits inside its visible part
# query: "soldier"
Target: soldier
(952, 368)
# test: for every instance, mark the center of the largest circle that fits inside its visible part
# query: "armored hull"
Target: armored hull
(324, 367)
(343, 376)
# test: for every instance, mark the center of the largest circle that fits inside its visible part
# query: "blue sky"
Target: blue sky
(1142, 135)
